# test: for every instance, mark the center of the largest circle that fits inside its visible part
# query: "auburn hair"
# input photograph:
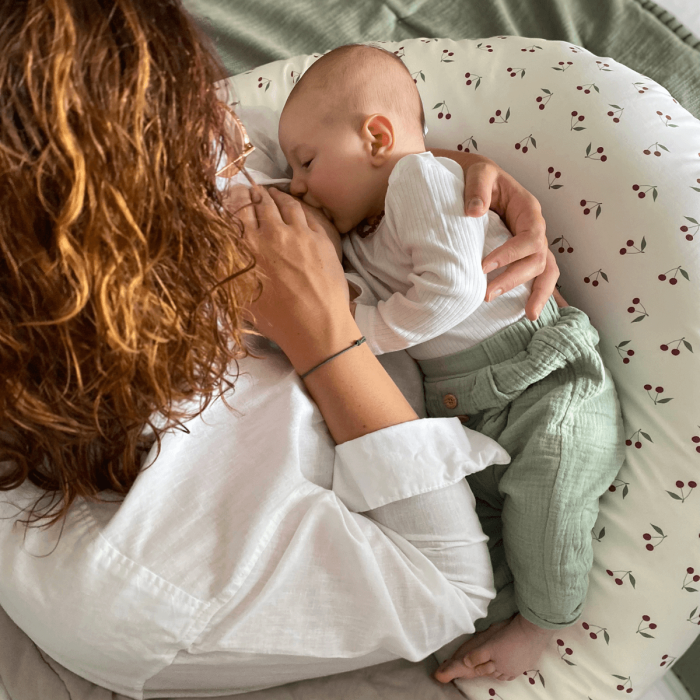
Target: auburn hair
(122, 274)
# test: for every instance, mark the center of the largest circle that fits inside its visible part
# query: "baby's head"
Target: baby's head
(355, 112)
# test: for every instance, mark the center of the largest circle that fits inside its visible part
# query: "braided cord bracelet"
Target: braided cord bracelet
(332, 357)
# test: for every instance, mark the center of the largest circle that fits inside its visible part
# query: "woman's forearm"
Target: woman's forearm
(353, 391)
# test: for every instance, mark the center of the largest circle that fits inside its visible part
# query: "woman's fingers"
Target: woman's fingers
(478, 187)
(289, 208)
(542, 288)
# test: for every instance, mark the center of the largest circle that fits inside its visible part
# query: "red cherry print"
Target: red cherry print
(560, 642)
(524, 149)
(680, 485)
(618, 581)
(550, 170)
(595, 283)
(609, 573)
(593, 635)
(585, 625)
(646, 618)
(659, 390)
(647, 387)
(692, 484)
(635, 187)
(664, 347)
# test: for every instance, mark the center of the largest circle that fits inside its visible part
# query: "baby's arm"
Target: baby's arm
(427, 227)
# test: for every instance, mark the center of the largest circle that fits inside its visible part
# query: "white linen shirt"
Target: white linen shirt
(424, 264)
(239, 559)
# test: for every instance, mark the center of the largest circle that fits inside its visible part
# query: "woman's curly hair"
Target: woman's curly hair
(118, 301)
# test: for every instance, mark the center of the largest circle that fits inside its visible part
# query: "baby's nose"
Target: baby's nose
(297, 187)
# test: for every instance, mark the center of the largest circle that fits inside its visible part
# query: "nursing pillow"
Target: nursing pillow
(615, 162)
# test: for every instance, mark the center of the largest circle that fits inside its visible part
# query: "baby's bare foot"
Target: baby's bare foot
(511, 648)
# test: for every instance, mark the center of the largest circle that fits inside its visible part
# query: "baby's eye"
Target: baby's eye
(307, 164)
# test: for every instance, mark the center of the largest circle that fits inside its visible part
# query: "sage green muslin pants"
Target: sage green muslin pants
(541, 391)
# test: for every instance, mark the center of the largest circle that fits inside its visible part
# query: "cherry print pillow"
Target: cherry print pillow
(615, 163)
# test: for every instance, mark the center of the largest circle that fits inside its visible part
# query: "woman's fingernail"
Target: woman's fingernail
(495, 293)
(490, 267)
(475, 205)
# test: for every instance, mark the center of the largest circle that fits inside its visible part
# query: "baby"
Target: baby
(352, 131)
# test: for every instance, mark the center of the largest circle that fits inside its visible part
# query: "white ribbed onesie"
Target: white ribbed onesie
(423, 263)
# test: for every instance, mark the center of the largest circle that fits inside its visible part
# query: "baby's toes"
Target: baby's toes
(450, 670)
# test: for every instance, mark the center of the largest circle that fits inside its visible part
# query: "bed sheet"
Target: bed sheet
(639, 33)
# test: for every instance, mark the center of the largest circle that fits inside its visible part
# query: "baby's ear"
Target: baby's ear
(379, 136)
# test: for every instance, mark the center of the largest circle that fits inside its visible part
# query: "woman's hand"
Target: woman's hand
(304, 306)
(486, 187)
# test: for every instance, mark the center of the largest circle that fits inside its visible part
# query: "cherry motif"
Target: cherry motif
(684, 229)
(626, 679)
(616, 114)
(552, 186)
(486, 48)
(567, 64)
(440, 106)
(633, 309)
(641, 90)
(594, 635)
(567, 652)
(619, 580)
(650, 626)
(690, 572)
(564, 245)
(676, 351)
(665, 660)
(625, 490)
(626, 354)
(513, 72)
(673, 280)
(595, 282)
(642, 194)
(587, 88)
(598, 151)
(649, 537)
(666, 119)
(527, 139)
(680, 485)
(587, 210)
(575, 118)
(544, 100)
(466, 148)
(603, 67)
(470, 79)
(630, 244)
(655, 146)
(659, 390)
(444, 56)
(498, 114)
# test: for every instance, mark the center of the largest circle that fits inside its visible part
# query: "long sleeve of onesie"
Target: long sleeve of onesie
(429, 251)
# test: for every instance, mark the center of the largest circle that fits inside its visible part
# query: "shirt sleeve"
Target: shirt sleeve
(424, 209)
(408, 459)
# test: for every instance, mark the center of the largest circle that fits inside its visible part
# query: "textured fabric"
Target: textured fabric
(541, 390)
(424, 264)
(235, 548)
(638, 33)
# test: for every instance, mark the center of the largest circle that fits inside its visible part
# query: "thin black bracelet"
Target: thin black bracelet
(354, 345)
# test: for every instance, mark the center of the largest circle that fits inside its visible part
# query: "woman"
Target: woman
(273, 537)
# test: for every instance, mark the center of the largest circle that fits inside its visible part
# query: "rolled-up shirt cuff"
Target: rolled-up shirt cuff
(408, 459)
